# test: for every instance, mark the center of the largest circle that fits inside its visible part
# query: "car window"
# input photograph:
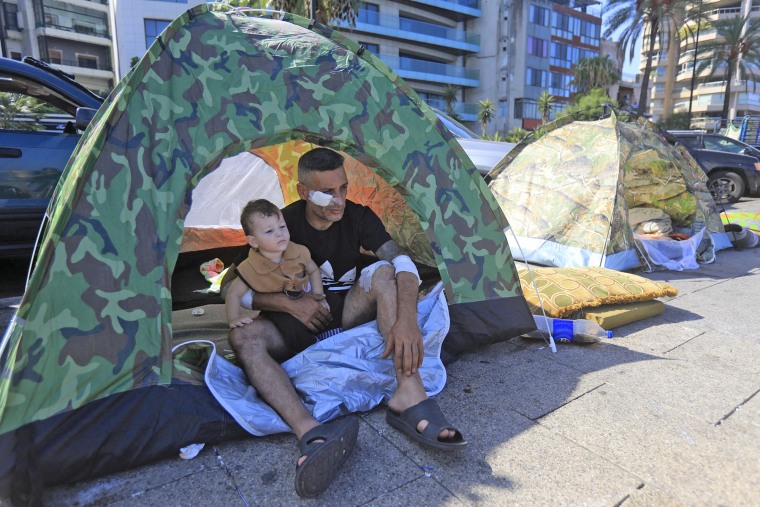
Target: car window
(691, 142)
(19, 111)
(723, 144)
(36, 139)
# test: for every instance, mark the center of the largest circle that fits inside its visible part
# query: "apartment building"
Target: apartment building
(424, 41)
(74, 35)
(453, 53)
(427, 43)
(533, 47)
(675, 86)
(137, 24)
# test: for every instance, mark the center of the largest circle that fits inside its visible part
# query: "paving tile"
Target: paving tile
(422, 492)
(133, 482)
(265, 471)
(697, 462)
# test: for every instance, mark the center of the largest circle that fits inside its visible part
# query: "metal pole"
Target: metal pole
(694, 68)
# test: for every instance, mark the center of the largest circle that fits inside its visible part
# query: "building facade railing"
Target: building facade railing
(413, 30)
(83, 30)
(85, 64)
(439, 72)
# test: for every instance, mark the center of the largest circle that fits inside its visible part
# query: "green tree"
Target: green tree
(324, 11)
(734, 52)
(486, 113)
(450, 97)
(677, 121)
(590, 106)
(516, 135)
(629, 17)
(545, 105)
(20, 112)
(595, 72)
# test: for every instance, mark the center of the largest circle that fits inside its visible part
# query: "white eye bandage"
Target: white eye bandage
(404, 263)
(322, 199)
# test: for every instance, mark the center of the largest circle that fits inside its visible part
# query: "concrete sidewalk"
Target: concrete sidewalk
(665, 413)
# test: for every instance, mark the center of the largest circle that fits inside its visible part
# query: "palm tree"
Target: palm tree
(324, 11)
(660, 16)
(595, 72)
(450, 96)
(486, 113)
(734, 52)
(545, 106)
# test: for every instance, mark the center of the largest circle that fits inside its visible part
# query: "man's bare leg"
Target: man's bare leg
(257, 345)
(381, 303)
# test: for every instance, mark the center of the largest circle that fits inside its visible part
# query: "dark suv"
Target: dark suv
(732, 172)
(43, 112)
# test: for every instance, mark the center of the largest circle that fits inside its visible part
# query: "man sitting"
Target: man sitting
(334, 229)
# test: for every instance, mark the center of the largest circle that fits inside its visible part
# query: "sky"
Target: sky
(629, 67)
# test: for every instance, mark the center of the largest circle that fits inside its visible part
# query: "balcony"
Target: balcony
(453, 40)
(88, 66)
(432, 72)
(462, 10)
(80, 29)
(464, 111)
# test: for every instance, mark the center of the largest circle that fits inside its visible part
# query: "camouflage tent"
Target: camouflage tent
(567, 194)
(87, 360)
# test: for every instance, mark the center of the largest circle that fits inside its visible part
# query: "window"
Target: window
(723, 144)
(55, 56)
(87, 61)
(565, 26)
(536, 77)
(538, 47)
(84, 27)
(10, 12)
(563, 55)
(368, 13)
(434, 100)
(51, 19)
(590, 33)
(371, 47)
(586, 53)
(538, 15)
(560, 85)
(153, 28)
(526, 108)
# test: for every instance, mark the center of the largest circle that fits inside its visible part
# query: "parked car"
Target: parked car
(730, 174)
(707, 141)
(483, 153)
(45, 112)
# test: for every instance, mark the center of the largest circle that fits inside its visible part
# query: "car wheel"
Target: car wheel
(726, 187)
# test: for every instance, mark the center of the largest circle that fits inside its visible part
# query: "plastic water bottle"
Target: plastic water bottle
(578, 330)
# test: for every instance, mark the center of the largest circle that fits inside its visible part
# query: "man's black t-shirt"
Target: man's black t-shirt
(336, 249)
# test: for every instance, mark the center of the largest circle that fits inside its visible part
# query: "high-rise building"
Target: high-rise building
(533, 47)
(138, 23)
(676, 87)
(73, 35)
(427, 43)
(453, 53)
